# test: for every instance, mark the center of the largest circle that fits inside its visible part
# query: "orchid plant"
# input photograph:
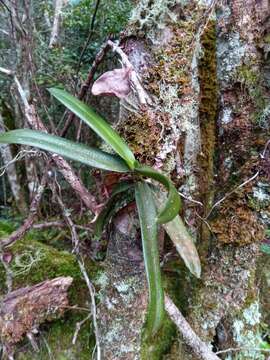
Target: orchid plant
(151, 214)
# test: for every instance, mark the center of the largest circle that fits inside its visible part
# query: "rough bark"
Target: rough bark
(199, 62)
(23, 310)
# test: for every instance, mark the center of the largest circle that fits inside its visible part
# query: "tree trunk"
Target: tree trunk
(206, 68)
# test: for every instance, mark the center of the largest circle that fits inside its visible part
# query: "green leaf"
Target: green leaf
(173, 203)
(97, 124)
(69, 149)
(109, 208)
(147, 215)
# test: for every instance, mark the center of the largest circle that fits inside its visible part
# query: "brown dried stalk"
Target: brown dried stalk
(19, 233)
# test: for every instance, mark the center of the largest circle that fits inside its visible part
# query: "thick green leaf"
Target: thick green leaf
(147, 215)
(97, 123)
(109, 208)
(69, 149)
(173, 203)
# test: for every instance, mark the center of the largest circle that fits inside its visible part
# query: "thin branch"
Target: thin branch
(93, 307)
(243, 349)
(231, 192)
(202, 350)
(75, 240)
(19, 233)
(90, 286)
(8, 272)
(6, 71)
(265, 149)
(78, 328)
(85, 86)
(89, 35)
(143, 97)
(49, 224)
(19, 156)
(190, 199)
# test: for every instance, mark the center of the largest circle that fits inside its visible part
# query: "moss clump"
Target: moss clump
(251, 80)
(208, 109)
(208, 116)
(154, 348)
(34, 262)
(237, 223)
(172, 64)
(143, 133)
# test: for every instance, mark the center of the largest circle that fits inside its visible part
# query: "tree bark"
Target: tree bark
(207, 126)
(23, 310)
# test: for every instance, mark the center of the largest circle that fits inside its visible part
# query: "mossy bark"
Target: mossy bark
(208, 88)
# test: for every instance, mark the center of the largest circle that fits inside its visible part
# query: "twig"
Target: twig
(231, 192)
(19, 233)
(243, 348)
(78, 328)
(49, 224)
(75, 307)
(32, 341)
(201, 349)
(143, 97)
(241, 185)
(85, 86)
(89, 35)
(265, 149)
(93, 307)
(8, 272)
(90, 286)
(75, 240)
(6, 71)
(19, 156)
(190, 199)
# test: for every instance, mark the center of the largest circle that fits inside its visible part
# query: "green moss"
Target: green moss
(153, 348)
(251, 81)
(208, 116)
(143, 134)
(56, 341)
